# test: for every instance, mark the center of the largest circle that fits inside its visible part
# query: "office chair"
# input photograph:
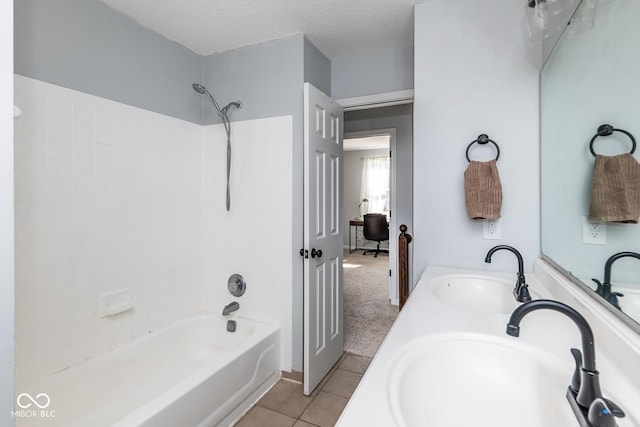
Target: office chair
(376, 228)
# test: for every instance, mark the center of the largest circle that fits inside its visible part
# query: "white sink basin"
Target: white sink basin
(630, 302)
(475, 380)
(474, 292)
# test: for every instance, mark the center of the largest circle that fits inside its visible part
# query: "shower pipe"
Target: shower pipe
(222, 112)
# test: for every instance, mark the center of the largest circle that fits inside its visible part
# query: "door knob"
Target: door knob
(316, 253)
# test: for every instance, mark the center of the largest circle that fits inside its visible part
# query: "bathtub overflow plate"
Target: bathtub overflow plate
(237, 285)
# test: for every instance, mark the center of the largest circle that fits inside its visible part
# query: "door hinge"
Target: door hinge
(389, 272)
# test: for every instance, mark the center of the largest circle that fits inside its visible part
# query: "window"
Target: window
(374, 190)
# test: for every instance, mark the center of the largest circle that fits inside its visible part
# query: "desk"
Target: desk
(354, 223)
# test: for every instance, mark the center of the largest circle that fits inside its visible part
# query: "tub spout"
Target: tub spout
(228, 309)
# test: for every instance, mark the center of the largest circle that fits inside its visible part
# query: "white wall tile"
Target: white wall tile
(83, 107)
(59, 101)
(29, 211)
(29, 95)
(258, 146)
(122, 201)
(58, 189)
(27, 166)
(30, 189)
(30, 144)
(59, 147)
(83, 130)
(59, 126)
(58, 231)
(59, 168)
(32, 122)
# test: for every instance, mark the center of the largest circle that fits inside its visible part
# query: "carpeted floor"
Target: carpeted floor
(368, 314)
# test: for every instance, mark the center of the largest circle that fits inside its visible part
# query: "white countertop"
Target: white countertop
(424, 315)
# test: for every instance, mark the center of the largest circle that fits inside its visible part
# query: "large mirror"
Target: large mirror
(592, 78)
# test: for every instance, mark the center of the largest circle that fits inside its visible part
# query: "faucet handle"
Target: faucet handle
(602, 412)
(599, 286)
(614, 408)
(575, 380)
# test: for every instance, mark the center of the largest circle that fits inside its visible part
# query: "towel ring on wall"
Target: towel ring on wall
(606, 130)
(483, 139)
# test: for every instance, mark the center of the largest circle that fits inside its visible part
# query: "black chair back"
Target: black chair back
(376, 228)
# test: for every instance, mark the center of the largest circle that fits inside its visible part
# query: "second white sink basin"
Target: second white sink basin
(475, 292)
(630, 302)
(475, 380)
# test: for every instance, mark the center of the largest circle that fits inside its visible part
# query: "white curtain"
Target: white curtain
(375, 185)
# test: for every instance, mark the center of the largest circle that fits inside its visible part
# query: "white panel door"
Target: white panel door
(323, 308)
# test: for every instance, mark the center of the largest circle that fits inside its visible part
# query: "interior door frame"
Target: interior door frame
(393, 243)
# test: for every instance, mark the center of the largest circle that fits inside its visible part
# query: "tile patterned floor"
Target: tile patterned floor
(286, 406)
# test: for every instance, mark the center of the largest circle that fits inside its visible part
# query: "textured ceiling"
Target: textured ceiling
(339, 28)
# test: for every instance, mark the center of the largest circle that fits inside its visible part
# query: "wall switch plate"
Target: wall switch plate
(593, 232)
(492, 229)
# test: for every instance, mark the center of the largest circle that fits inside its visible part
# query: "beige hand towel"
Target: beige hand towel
(482, 190)
(615, 189)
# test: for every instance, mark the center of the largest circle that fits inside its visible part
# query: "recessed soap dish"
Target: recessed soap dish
(112, 303)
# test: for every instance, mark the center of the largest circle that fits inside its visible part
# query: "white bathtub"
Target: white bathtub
(193, 373)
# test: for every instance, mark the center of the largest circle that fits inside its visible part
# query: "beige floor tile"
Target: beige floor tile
(301, 423)
(287, 398)
(262, 417)
(355, 363)
(325, 409)
(342, 383)
(328, 376)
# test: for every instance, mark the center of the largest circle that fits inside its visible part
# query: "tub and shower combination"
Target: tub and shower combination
(192, 373)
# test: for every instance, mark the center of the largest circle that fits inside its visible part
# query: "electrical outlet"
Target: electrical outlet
(492, 229)
(593, 232)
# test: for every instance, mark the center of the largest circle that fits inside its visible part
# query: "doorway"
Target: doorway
(370, 283)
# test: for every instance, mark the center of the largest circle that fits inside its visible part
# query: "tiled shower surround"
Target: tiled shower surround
(111, 197)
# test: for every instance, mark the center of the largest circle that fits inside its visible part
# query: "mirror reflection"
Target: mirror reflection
(590, 80)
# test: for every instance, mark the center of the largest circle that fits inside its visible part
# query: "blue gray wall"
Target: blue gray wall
(317, 67)
(86, 46)
(266, 77)
(380, 71)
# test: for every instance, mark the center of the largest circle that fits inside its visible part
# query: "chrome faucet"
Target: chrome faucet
(584, 394)
(228, 309)
(604, 289)
(521, 290)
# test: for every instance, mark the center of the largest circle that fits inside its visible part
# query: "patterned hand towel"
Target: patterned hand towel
(482, 190)
(615, 189)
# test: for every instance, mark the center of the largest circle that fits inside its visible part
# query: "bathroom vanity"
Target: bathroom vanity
(448, 361)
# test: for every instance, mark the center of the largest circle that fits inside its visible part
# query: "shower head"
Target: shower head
(203, 91)
(222, 112)
(236, 104)
(199, 88)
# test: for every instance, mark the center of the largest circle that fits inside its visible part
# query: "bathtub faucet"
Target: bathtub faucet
(521, 290)
(584, 395)
(228, 309)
